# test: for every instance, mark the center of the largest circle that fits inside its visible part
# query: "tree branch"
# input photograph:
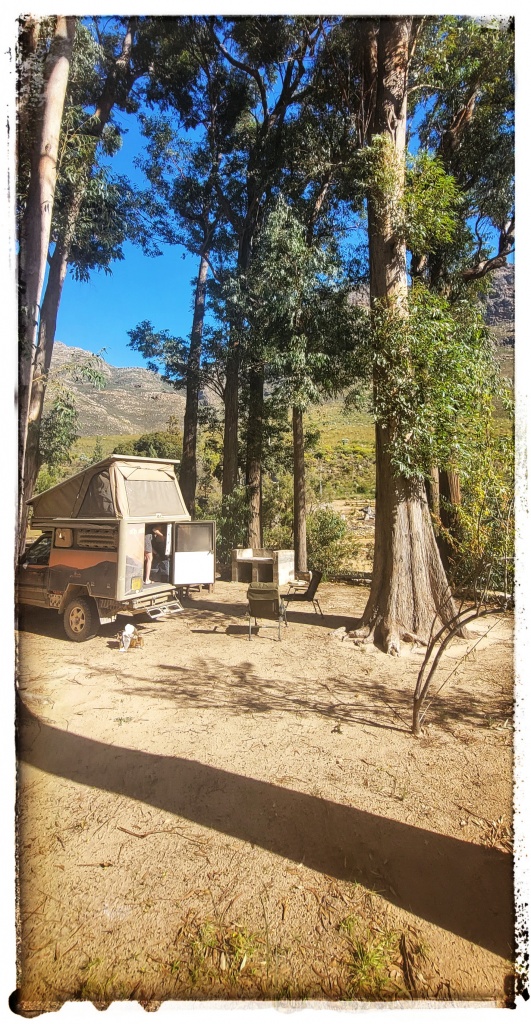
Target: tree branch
(505, 249)
(232, 217)
(242, 66)
(485, 267)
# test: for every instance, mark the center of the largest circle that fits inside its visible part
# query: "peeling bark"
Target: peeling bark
(433, 492)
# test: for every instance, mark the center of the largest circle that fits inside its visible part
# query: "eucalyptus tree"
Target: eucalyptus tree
(462, 91)
(462, 86)
(41, 127)
(184, 214)
(198, 104)
(429, 351)
(311, 337)
(105, 69)
(274, 56)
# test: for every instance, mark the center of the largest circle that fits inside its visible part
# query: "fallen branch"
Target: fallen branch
(161, 831)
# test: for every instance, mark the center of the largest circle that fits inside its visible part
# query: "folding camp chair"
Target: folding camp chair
(265, 602)
(296, 594)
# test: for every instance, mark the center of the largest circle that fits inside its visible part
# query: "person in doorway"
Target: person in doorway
(156, 562)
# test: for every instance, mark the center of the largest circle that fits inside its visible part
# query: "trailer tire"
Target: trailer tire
(80, 619)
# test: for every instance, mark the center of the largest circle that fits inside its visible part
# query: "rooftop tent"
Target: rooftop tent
(149, 490)
(64, 500)
(116, 487)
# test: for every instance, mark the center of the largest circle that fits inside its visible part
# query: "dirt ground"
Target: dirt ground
(211, 818)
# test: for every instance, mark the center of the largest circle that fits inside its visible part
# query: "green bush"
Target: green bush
(159, 444)
(232, 522)
(483, 547)
(330, 542)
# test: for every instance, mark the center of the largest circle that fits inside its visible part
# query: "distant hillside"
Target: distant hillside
(500, 305)
(136, 401)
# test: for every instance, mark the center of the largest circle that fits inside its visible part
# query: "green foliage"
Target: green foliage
(330, 542)
(372, 955)
(380, 173)
(483, 542)
(49, 477)
(165, 354)
(97, 454)
(463, 66)
(277, 510)
(59, 424)
(431, 204)
(58, 430)
(158, 444)
(232, 522)
(296, 304)
(423, 208)
(436, 379)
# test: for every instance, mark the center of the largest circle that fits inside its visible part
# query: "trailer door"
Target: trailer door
(194, 553)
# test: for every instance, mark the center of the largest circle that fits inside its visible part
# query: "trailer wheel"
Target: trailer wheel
(80, 619)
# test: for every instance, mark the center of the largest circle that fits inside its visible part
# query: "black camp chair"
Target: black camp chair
(265, 602)
(296, 594)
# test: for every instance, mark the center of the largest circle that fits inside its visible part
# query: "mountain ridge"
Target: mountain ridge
(135, 400)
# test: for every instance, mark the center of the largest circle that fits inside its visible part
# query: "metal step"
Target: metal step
(160, 611)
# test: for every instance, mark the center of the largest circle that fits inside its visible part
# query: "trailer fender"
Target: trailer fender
(72, 590)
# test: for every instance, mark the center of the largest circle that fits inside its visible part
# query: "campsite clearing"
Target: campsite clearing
(208, 817)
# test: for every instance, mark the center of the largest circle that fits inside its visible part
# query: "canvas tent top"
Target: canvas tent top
(120, 486)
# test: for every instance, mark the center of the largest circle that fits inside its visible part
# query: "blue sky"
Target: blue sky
(97, 314)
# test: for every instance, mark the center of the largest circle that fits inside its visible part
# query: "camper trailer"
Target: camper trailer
(89, 561)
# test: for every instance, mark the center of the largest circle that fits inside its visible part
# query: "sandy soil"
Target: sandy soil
(211, 818)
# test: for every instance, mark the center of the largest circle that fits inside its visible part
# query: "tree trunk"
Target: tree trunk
(409, 594)
(188, 470)
(432, 489)
(102, 113)
(232, 375)
(43, 358)
(299, 492)
(450, 494)
(255, 424)
(37, 219)
(230, 431)
(28, 42)
(43, 354)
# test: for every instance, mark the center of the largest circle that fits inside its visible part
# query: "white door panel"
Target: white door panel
(193, 567)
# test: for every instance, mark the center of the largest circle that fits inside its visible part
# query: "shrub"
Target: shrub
(232, 522)
(330, 542)
(159, 444)
(483, 550)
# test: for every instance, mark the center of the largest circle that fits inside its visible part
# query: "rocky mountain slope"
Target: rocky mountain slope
(133, 401)
(500, 306)
(136, 400)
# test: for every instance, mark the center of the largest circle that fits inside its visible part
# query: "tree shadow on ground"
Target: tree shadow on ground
(210, 683)
(238, 610)
(459, 886)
